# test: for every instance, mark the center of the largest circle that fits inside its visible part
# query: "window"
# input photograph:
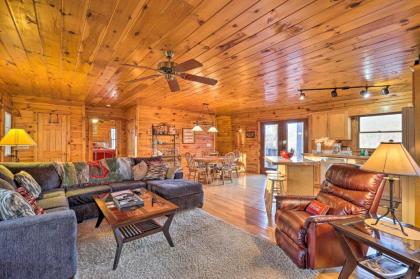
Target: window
(113, 138)
(375, 129)
(7, 127)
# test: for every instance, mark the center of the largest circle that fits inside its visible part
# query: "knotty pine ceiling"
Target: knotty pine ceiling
(261, 52)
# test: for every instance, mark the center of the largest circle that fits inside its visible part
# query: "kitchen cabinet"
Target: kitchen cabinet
(334, 125)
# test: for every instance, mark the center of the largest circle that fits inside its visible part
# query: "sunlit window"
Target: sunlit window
(113, 132)
(375, 129)
(7, 127)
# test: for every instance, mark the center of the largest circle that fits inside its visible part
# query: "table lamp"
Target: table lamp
(392, 159)
(17, 138)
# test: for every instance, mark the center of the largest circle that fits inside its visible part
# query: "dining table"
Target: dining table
(209, 162)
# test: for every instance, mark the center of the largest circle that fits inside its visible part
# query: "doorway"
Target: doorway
(282, 135)
(52, 137)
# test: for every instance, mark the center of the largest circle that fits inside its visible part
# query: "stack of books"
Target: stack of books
(126, 199)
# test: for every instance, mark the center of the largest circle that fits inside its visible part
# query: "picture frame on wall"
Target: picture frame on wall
(188, 136)
(250, 134)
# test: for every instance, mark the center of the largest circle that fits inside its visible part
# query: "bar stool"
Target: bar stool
(274, 187)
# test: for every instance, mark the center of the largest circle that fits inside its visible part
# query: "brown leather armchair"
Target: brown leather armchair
(310, 241)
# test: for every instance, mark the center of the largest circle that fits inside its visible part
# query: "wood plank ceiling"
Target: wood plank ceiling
(261, 51)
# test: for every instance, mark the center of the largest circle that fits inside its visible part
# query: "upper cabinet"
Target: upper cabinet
(334, 125)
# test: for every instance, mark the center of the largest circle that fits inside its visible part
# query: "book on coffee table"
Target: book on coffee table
(126, 199)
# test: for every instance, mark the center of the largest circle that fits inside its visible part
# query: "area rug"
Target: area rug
(205, 247)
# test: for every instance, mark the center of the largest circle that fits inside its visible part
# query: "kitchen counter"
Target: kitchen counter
(278, 160)
(331, 155)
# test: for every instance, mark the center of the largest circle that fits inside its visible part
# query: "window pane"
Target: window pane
(372, 140)
(376, 123)
(295, 137)
(270, 142)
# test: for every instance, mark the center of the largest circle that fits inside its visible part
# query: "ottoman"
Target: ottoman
(184, 193)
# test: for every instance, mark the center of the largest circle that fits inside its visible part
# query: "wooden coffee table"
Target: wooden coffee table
(129, 225)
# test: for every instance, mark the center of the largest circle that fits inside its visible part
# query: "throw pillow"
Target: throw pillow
(67, 173)
(112, 165)
(7, 175)
(170, 174)
(26, 180)
(13, 205)
(6, 185)
(140, 170)
(156, 171)
(317, 208)
(31, 200)
(98, 172)
(82, 172)
(124, 168)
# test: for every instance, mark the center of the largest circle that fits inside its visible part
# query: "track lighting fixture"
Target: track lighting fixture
(302, 95)
(364, 93)
(385, 90)
(334, 93)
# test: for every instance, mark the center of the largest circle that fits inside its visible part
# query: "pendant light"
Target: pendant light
(212, 129)
(198, 128)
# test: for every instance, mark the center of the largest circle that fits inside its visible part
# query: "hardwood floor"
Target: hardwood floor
(241, 204)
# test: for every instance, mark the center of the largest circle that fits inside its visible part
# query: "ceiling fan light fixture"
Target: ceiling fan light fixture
(212, 129)
(302, 96)
(334, 93)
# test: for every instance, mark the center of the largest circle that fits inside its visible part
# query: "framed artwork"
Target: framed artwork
(250, 134)
(188, 136)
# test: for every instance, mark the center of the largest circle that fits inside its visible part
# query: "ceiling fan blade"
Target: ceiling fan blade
(143, 78)
(195, 78)
(173, 84)
(188, 65)
(138, 66)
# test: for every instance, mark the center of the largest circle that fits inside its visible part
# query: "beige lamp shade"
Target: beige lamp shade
(17, 137)
(392, 158)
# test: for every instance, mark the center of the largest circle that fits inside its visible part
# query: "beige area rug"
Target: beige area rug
(205, 247)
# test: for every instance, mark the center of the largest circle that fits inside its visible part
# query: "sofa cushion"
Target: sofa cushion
(126, 185)
(13, 205)
(291, 223)
(171, 188)
(54, 202)
(59, 192)
(26, 180)
(55, 209)
(44, 173)
(84, 195)
(7, 175)
(6, 185)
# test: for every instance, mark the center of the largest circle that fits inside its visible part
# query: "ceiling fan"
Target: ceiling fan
(170, 70)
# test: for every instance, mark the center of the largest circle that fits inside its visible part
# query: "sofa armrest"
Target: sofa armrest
(321, 219)
(290, 202)
(42, 246)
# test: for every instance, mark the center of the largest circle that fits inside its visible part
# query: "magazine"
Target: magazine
(385, 266)
(126, 199)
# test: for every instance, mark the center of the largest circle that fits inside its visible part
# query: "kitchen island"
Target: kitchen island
(302, 175)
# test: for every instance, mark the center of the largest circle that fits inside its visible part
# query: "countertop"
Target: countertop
(278, 160)
(344, 156)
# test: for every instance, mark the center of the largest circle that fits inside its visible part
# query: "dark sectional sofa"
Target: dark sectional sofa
(46, 244)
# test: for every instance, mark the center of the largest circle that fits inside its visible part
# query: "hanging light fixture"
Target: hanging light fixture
(334, 93)
(365, 93)
(198, 128)
(302, 95)
(385, 90)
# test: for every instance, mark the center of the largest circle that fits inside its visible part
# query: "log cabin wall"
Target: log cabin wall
(108, 118)
(146, 116)
(250, 121)
(26, 113)
(5, 106)
(224, 136)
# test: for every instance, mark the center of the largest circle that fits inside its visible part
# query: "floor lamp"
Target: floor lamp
(17, 138)
(392, 159)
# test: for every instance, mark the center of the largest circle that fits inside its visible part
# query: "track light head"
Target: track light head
(302, 95)
(385, 90)
(334, 93)
(365, 93)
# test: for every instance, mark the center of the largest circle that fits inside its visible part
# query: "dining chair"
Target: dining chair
(194, 169)
(223, 170)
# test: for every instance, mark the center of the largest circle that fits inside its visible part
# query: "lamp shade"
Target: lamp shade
(17, 137)
(197, 128)
(212, 129)
(392, 158)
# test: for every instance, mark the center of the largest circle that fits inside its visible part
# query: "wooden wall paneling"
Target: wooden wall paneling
(25, 110)
(416, 100)
(224, 136)
(5, 106)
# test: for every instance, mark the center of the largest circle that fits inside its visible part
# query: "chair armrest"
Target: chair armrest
(321, 219)
(290, 202)
(42, 246)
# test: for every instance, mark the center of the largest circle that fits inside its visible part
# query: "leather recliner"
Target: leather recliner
(309, 240)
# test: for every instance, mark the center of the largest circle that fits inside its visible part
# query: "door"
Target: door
(52, 137)
(279, 135)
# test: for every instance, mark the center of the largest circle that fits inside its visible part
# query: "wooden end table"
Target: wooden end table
(129, 225)
(354, 229)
